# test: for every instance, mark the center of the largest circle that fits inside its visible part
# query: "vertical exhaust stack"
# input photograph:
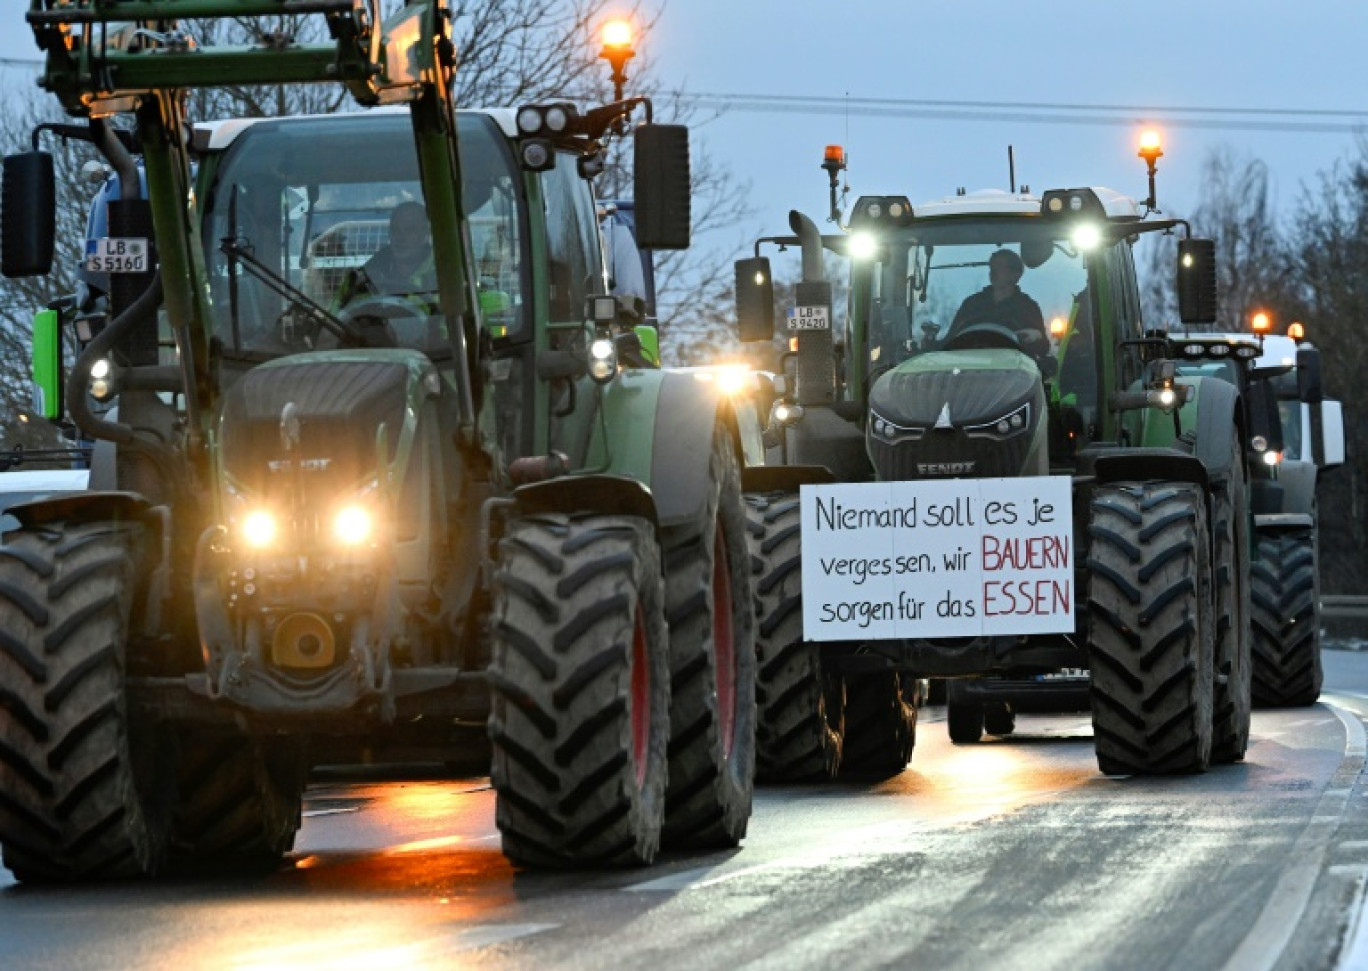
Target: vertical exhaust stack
(815, 378)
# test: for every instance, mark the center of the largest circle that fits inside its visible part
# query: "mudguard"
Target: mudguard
(87, 507)
(657, 429)
(784, 478)
(587, 493)
(1140, 464)
(1282, 522)
(1219, 409)
(1298, 481)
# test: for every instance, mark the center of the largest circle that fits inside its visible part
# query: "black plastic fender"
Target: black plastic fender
(681, 458)
(1219, 409)
(1283, 522)
(1298, 481)
(87, 507)
(570, 494)
(1141, 464)
(783, 478)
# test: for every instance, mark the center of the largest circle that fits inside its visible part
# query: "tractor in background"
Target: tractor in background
(932, 380)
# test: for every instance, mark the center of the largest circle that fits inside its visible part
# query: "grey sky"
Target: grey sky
(1256, 53)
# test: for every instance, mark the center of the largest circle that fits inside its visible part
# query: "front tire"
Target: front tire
(580, 721)
(1151, 628)
(239, 802)
(712, 656)
(1285, 592)
(881, 724)
(85, 784)
(1234, 667)
(801, 726)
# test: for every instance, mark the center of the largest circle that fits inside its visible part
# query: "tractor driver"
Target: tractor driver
(402, 267)
(1003, 302)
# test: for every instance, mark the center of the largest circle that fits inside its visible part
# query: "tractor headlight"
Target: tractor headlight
(602, 360)
(862, 246)
(1272, 458)
(1011, 424)
(102, 383)
(891, 433)
(353, 525)
(259, 529)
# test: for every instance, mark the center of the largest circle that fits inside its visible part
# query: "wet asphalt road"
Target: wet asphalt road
(1008, 854)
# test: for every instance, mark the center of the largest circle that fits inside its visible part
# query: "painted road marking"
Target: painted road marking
(330, 812)
(1277, 922)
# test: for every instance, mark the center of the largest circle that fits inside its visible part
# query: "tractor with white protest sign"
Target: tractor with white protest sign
(1008, 481)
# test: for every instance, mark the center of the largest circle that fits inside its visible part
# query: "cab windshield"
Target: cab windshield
(932, 282)
(312, 223)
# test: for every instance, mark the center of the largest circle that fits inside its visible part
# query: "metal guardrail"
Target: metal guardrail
(1343, 606)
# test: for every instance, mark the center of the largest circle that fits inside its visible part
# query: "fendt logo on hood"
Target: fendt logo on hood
(945, 468)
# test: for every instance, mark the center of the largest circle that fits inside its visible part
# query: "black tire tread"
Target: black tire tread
(881, 724)
(1285, 595)
(566, 790)
(801, 724)
(82, 794)
(709, 796)
(1151, 654)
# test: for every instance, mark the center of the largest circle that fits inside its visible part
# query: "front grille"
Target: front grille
(949, 453)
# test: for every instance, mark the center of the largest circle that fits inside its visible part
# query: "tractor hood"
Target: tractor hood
(332, 420)
(975, 386)
(958, 413)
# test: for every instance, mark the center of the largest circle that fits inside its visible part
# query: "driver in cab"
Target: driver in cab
(1003, 302)
(403, 267)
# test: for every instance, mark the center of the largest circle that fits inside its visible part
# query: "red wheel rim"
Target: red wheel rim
(724, 648)
(641, 698)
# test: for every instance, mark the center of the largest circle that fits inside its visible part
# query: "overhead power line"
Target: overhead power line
(1226, 118)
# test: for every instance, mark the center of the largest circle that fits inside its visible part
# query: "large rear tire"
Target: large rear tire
(85, 784)
(580, 721)
(239, 802)
(1234, 667)
(708, 602)
(1151, 628)
(801, 727)
(1285, 590)
(881, 724)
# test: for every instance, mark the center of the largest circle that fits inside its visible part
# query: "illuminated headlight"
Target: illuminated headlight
(258, 529)
(1272, 458)
(353, 526)
(787, 413)
(862, 246)
(1087, 237)
(892, 433)
(102, 383)
(1010, 424)
(602, 360)
(733, 380)
(1167, 398)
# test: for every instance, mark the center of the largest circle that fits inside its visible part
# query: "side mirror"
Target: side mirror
(1309, 387)
(28, 208)
(754, 299)
(47, 364)
(662, 188)
(1197, 281)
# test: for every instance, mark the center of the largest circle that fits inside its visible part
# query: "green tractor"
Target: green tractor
(947, 377)
(397, 473)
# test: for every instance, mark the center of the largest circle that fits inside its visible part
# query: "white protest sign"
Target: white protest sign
(945, 558)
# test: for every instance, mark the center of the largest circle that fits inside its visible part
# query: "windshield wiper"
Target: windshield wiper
(283, 288)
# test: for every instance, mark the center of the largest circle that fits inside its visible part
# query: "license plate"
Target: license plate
(809, 318)
(1065, 674)
(112, 255)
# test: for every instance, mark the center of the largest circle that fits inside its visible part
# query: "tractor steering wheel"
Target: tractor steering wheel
(983, 337)
(372, 320)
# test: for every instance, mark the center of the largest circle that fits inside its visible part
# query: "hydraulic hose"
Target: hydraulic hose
(78, 380)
